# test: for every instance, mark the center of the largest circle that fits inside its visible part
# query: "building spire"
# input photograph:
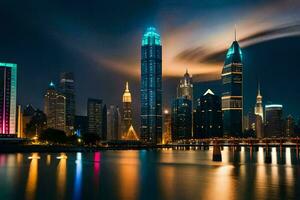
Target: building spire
(127, 87)
(258, 89)
(235, 32)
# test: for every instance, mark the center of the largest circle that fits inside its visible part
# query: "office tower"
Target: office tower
(20, 129)
(55, 108)
(232, 91)
(96, 118)
(290, 126)
(258, 110)
(104, 122)
(67, 88)
(259, 131)
(273, 121)
(113, 123)
(81, 125)
(251, 118)
(208, 116)
(151, 87)
(185, 87)
(167, 136)
(181, 120)
(8, 96)
(127, 110)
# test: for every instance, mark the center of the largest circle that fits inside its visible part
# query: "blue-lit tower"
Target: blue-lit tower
(151, 87)
(232, 91)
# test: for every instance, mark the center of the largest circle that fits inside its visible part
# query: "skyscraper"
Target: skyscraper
(96, 118)
(113, 123)
(185, 87)
(274, 120)
(151, 87)
(127, 110)
(167, 136)
(290, 126)
(181, 120)
(67, 88)
(208, 116)
(8, 96)
(54, 108)
(258, 110)
(232, 91)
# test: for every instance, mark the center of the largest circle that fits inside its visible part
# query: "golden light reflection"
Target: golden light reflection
(168, 183)
(260, 155)
(32, 177)
(288, 157)
(221, 185)
(243, 156)
(289, 173)
(260, 181)
(129, 174)
(48, 159)
(61, 176)
(274, 156)
(225, 155)
(19, 158)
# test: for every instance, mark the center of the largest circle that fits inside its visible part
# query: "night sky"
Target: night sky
(100, 42)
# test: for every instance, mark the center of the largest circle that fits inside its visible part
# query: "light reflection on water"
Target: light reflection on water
(154, 174)
(32, 177)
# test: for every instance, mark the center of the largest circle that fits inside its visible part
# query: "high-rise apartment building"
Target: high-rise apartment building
(8, 97)
(55, 108)
(67, 88)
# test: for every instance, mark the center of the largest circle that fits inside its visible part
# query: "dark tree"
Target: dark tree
(37, 123)
(90, 138)
(53, 136)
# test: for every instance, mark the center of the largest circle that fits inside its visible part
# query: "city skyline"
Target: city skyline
(274, 29)
(149, 99)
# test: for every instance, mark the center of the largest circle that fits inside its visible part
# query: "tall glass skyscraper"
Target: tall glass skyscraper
(274, 120)
(68, 90)
(232, 91)
(151, 87)
(181, 120)
(8, 96)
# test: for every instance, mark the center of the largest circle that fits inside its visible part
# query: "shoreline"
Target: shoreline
(9, 148)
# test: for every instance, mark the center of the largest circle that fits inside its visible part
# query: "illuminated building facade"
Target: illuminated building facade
(274, 120)
(208, 116)
(96, 113)
(8, 96)
(258, 110)
(55, 108)
(151, 87)
(127, 110)
(289, 126)
(185, 87)
(167, 136)
(181, 120)
(232, 91)
(67, 88)
(113, 123)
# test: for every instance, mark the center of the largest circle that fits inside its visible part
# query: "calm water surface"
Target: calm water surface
(155, 174)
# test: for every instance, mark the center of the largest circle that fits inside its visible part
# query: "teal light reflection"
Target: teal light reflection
(78, 177)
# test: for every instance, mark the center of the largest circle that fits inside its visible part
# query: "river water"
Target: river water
(151, 174)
